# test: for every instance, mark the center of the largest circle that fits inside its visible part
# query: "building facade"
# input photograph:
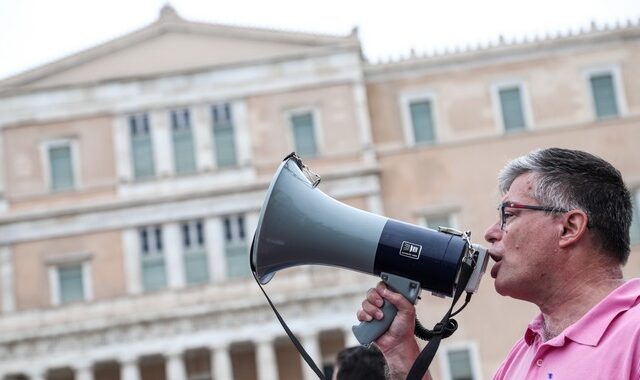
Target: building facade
(133, 174)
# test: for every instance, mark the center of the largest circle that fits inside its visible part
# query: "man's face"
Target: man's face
(526, 246)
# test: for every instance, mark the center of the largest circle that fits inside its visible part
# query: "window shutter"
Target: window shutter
(422, 122)
(460, 364)
(183, 151)
(71, 283)
(223, 135)
(304, 135)
(512, 111)
(604, 96)
(143, 166)
(61, 168)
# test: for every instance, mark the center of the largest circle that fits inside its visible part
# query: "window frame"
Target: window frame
(184, 119)
(154, 162)
(45, 147)
(54, 278)
(525, 100)
(406, 99)
(450, 214)
(616, 75)
(315, 118)
(234, 130)
(470, 346)
(157, 253)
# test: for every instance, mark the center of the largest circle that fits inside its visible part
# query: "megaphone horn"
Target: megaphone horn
(301, 225)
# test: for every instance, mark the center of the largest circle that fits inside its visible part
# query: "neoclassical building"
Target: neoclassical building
(133, 174)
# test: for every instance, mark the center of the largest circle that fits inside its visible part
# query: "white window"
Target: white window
(511, 105)
(304, 129)
(418, 118)
(61, 163)
(141, 146)
(460, 362)
(607, 93)
(224, 135)
(70, 281)
(154, 274)
(182, 136)
(236, 246)
(195, 252)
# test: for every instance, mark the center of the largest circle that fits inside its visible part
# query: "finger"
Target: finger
(363, 316)
(398, 300)
(372, 310)
(374, 296)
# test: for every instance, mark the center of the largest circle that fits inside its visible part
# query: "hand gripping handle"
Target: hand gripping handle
(367, 332)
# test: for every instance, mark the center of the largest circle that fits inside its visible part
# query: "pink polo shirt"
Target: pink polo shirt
(603, 344)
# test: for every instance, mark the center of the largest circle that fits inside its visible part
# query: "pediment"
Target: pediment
(170, 47)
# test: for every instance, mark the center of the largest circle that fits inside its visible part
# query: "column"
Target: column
(122, 148)
(222, 369)
(173, 255)
(350, 339)
(203, 137)
(374, 203)
(38, 374)
(3, 201)
(6, 276)
(311, 344)
(131, 250)
(252, 219)
(129, 369)
(84, 371)
(175, 366)
(266, 364)
(215, 249)
(242, 132)
(364, 123)
(162, 143)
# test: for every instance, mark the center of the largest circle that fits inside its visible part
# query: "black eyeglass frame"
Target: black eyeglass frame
(505, 205)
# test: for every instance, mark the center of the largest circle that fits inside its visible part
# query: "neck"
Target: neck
(571, 299)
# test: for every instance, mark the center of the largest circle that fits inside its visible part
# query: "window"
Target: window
(223, 135)
(460, 362)
(182, 135)
(438, 220)
(61, 173)
(70, 279)
(511, 108)
(141, 146)
(71, 284)
(635, 223)
(422, 121)
(151, 255)
(304, 138)
(236, 246)
(195, 254)
(604, 95)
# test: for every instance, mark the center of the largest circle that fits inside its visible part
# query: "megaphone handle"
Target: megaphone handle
(367, 332)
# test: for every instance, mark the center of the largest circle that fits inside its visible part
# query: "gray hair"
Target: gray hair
(572, 179)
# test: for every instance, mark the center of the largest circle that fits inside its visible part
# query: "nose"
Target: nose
(493, 233)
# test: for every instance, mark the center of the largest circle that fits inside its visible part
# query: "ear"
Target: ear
(574, 226)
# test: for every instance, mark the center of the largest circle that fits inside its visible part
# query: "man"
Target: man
(560, 242)
(360, 363)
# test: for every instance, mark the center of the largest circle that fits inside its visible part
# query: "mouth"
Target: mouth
(496, 266)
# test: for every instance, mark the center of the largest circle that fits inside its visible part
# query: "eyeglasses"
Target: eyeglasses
(504, 205)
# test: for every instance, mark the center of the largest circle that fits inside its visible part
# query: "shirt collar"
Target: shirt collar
(589, 329)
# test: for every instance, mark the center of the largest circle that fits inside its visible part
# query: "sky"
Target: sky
(36, 32)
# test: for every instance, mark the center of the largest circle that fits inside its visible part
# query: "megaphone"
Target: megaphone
(301, 225)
